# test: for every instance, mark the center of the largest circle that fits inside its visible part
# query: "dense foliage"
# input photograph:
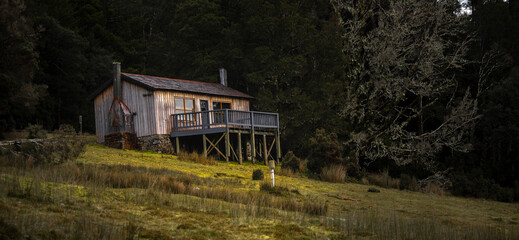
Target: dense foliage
(414, 86)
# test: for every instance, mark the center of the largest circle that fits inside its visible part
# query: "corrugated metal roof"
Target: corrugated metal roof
(170, 84)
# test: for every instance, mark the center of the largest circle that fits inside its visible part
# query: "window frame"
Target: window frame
(184, 109)
(220, 102)
(218, 117)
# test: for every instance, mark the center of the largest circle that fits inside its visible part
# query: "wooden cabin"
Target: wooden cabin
(160, 111)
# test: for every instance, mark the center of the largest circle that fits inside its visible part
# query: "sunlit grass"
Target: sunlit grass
(120, 193)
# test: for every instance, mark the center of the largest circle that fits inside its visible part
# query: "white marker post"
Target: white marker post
(272, 165)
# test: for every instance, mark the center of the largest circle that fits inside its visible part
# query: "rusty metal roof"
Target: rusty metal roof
(169, 84)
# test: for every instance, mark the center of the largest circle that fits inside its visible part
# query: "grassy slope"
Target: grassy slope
(449, 209)
(187, 217)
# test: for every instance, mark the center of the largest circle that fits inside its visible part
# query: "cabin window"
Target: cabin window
(219, 116)
(221, 105)
(183, 105)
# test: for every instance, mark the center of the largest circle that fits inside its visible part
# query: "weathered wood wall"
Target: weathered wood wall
(140, 101)
(101, 107)
(153, 108)
(165, 106)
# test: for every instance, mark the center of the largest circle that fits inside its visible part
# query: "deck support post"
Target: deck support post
(227, 136)
(240, 155)
(248, 155)
(265, 153)
(177, 144)
(253, 144)
(278, 148)
(227, 146)
(205, 145)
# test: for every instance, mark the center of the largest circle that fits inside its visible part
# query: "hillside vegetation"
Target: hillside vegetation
(118, 194)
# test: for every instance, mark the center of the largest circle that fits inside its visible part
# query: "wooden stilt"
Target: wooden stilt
(278, 147)
(240, 155)
(265, 155)
(227, 146)
(205, 145)
(253, 148)
(177, 145)
(248, 150)
(253, 144)
(260, 149)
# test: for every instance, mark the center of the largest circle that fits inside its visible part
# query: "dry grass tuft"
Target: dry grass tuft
(287, 172)
(433, 188)
(384, 180)
(334, 173)
(197, 158)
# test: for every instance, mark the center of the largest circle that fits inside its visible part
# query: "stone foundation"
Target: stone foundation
(160, 143)
(121, 140)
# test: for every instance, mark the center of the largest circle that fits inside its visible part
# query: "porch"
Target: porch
(217, 125)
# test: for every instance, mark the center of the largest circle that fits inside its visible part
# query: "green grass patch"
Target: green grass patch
(111, 194)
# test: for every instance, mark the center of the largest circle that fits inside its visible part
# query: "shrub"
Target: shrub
(373, 190)
(408, 182)
(479, 187)
(334, 173)
(292, 162)
(36, 131)
(353, 170)
(257, 174)
(326, 151)
(462, 186)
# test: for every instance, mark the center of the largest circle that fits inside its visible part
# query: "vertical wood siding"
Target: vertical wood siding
(101, 107)
(165, 106)
(138, 101)
(153, 111)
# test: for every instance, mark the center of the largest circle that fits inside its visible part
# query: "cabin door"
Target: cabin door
(204, 107)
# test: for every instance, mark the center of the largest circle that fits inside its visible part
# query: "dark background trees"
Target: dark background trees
(353, 84)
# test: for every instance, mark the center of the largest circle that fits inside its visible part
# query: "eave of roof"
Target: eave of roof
(153, 83)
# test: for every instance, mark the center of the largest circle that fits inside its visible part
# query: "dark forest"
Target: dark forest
(416, 88)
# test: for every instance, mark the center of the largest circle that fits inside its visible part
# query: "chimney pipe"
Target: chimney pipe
(223, 76)
(117, 79)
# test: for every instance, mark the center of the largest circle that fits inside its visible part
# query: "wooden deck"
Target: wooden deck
(231, 122)
(218, 121)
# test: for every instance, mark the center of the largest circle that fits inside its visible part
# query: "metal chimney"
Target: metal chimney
(223, 76)
(117, 79)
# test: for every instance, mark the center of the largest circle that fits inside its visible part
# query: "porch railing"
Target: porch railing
(223, 118)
